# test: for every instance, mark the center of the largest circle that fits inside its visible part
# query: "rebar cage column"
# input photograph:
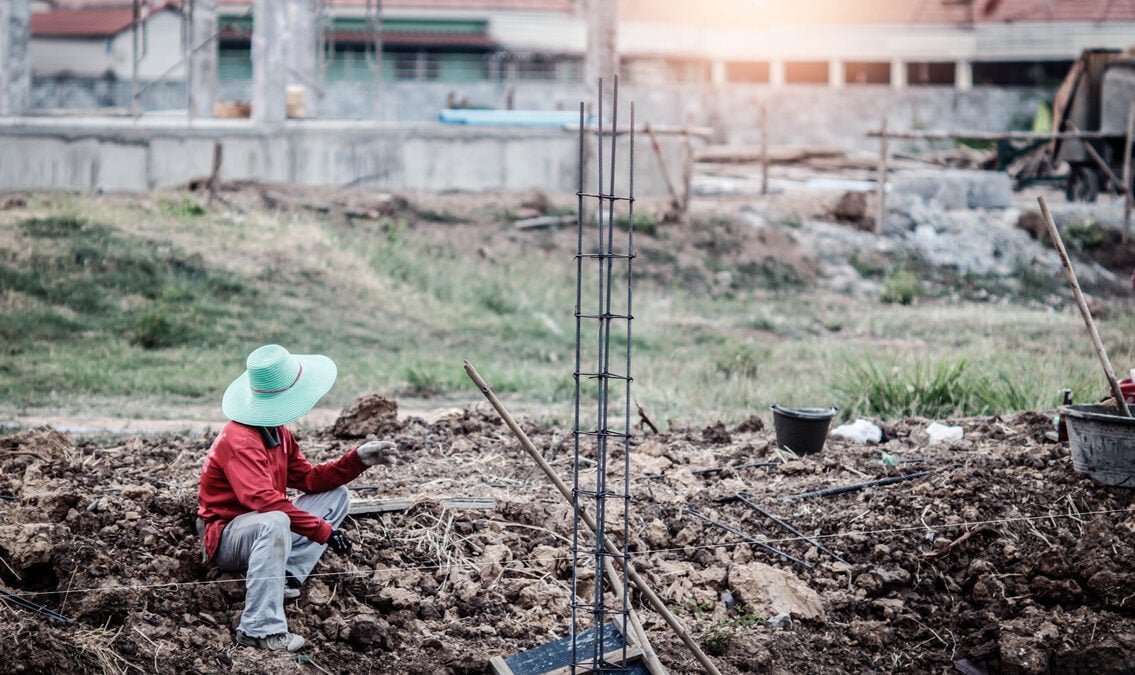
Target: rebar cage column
(601, 267)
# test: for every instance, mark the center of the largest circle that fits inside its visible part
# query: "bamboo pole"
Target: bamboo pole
(881, 190)
(1127, 182)
(665, 170)
(1070, 274)
(655, 602)
(764, 149)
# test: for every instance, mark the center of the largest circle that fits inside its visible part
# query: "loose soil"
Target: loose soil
(1000, 559)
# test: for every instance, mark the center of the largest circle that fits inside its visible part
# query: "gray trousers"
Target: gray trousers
(264, 546)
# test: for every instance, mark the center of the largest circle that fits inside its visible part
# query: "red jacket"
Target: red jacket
(242, 475)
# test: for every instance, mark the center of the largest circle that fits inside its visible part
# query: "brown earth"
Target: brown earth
(1001, 559)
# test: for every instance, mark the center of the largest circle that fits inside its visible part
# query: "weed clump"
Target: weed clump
(901, 287)
(934, 390)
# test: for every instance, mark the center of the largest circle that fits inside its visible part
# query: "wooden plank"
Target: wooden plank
(660, 129)
(359, 508)
(470, 503)
(994, 135)
(499, 666)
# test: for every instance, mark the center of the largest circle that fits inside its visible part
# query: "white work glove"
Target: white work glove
(372, 452)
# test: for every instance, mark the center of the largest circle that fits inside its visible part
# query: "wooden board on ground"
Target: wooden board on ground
(365, 506)
(777, 154)
(554, 658)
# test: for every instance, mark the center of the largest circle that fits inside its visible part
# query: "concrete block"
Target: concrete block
(956, 188)
(118, 167)
(182, 159)
(474, 163)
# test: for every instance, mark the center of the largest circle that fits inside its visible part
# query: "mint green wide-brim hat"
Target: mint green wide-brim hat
(278, 387)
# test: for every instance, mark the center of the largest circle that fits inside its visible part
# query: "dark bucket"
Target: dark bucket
(802, 430)
(1102, 443)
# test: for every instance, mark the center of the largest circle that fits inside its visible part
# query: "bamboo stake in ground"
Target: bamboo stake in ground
(881, 189)
(1070, 274)
(1130, 199)
(764, 150)
(632, 574)
(674, 198)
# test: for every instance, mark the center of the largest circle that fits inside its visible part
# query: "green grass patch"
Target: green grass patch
(131, 303)
(938, 389)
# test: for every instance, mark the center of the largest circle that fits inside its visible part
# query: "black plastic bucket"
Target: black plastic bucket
(1102, 443)
(802, 430)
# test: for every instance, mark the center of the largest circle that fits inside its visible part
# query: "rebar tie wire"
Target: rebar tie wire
(585, 545)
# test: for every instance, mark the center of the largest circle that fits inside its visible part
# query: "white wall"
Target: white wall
(159, 40)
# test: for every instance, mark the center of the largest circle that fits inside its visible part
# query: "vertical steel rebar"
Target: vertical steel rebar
(605, 254)
(627, 392)
(579, 218)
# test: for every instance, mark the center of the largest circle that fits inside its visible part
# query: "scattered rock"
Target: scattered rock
(537, 201)
(954, 189)
(771, 591)
(852, 209)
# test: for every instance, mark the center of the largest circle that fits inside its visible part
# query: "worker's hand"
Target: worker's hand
(372, 452)
(339, 542)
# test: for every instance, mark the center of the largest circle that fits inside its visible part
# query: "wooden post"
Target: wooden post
(1129, 185)
(881, 190)
(677, 201)
(213, 184)
(1086, 313)
(687, 171)
(764, 149)
(137, 14)
(655, 602)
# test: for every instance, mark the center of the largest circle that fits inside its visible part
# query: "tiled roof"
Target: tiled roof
(88, 22)
(750, 13)
(519, 5)
(506, 5)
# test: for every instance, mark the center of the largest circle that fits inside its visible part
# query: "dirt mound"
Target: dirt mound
(371, 414)
(991, 554)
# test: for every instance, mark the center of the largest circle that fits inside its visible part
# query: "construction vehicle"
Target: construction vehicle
(1095, 99)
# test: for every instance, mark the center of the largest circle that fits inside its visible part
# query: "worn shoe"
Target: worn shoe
(280, 642)
(291, 588)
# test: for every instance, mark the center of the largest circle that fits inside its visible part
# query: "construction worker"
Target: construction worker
(245, 519)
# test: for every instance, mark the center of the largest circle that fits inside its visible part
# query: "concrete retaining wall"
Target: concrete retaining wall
(408, 151)
(121, 154)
